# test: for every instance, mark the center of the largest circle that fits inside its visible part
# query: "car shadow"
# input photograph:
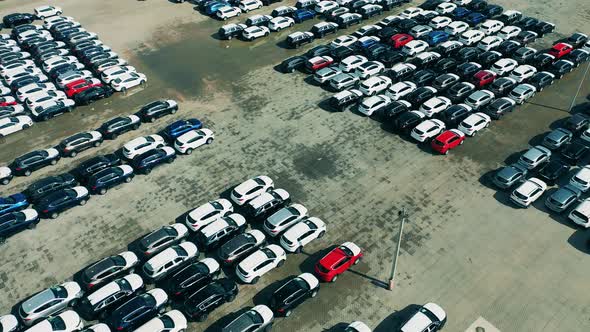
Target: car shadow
(263, 297)
(581, 108)
(580, 240)
(538, 139)
(311, 81)
(513, 157)
(559, 123)
(504, 198)
(426, 148)
(486, 179)
(562, 217)
(336, 328)
(309, 262)
(283, 44)
(324, 105)
(394, 321)
(223, 321)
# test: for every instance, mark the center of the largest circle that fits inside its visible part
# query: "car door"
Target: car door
(343, 265)
(305, 238)
(264, 267)
(34, 162)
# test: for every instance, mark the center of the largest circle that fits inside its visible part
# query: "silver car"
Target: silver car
(325, 74)
(284, 218)
(535, 156)
(509, 175)
(49, 302)
(557, 138)
(343, 81)
(562, 198)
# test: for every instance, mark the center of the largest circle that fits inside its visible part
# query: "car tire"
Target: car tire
(53, 162)
(54, 215)
(188, 152)
(231, 298)
(255, 280)
(334, 278)
(83, 202)
(266, 34)
(25, 126)
(172, 111)
(446, 152)
(5, 181)
(97, 144)
(170, 161)
(147, 171)
(28, 172)
(102, 191)
(268, 328)
(128, 179)
(288, 313)
(73, 154)
(73, 303)
(202, 318)
(114, 136)
(32, 225)
(299, 250)
(162, 310)
(281, 263)
(321, 235)
(357, 261)
(209, 140)
(124, 90)
(314, 293)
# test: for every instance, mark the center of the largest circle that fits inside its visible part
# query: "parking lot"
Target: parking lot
(464, 247)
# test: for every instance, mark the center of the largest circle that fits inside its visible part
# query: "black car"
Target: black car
(16, 19)
(459, 91)
(574, 151)
(27, 44)
(119, 125)
(527, 23)
(406, 24)
(407, 121)
(190, 278)
(497, 108)
(339, 53)
(374, 51)
(577, 123)
(390, 4)
(71, 146)
(444, 81)
(101, 181)
(448, 49)
(578, 56)
(356, 6)
(486, 59)
(508, 47)
(467, 54)
(386, 33)
(467, 70)
(502, 86)
(147, 161)
(524, 54)
(53, 204)
(542, 60)
(292, 293)
(45, 186)
(391, 111)
(44, 114)
(24, 81)
(14, 222)
(95, 164)
(425, 17)
(561, 67)
(240, 246)
(93, 94)
(541, 79)
(525, 37)
(477, 5)
(420, 95)
(577, 39)
(430, 4)
(157, 109)
(543, 28)
(294, 63)
(445, 65)
(391, 57)
(32, 161)
(493, 11)
(319, 50)
(453, 115)
(138, 310)
(552, 171)
(202, 302)
(423, 77)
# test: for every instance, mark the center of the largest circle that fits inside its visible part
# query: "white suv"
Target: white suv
(260, 262)
(251, 189)
(207, 213)
(169, 260)
(302, 233)
(248, 5)
(375, 85)
(142, 144)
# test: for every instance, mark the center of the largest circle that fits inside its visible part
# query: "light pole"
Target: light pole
(402, 215)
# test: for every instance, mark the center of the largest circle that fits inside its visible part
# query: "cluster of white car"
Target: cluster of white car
(244, 6)
(184, 144)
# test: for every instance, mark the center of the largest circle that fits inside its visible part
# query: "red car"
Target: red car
(81, 85)
(337, 261)
(447, 140)
(560, 49)
(483, 78)
(401, 39)
(7, 101)
(318, 62)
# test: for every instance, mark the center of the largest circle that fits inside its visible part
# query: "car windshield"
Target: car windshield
(519, 195)
(269, 253)
(579, 215)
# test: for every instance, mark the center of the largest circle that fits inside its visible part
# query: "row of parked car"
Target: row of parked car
(48, 70)
(284, 17)
(442, 82)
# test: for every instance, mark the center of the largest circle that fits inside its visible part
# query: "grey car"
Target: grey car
(325, 74)
(284, 218)
(509, 175)
(557, 138)
(343, 81)
(535, 156)
(49, 302)
(562, 198)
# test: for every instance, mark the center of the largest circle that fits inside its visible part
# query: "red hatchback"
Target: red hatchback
(448, 140)
(483, 78)
(81, 85)
(337, 261)
(318, 62)
(560, 49)
(401, 39)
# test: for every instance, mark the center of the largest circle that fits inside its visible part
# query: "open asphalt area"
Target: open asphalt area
(465, 246)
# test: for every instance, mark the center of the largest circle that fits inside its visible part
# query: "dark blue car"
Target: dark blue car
(13, 203)
(212, 8)
(367, 42)
(436, 37)
(460, 12)
(180, 127)
(301, 15)
(14, 222)
(474, 19)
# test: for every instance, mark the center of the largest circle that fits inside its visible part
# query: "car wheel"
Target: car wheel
(25, 126)
(142, 83)
(170, 161)
(281, 263)
(32, 225)
(334, 278)
(299, 250)
(314, 293)
(97, 144)
(357, 261)
(54, 215)
(124, 90)
(73, 154)
(28, 172)
(5, 181)
(255, 280)
(114, 136)
(288, 313)
(162, 309)
(73, 303)
(102, 191)
(266, 34)
(446, 152)
(202, 318)
(291, 24)
(209, 140)
(172, 111)
(53, 162)
(268, 328)
(231, 298)
(83, 202)
(322, 233)
(188, 151)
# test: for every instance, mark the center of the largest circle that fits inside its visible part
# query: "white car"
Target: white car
(474, 123)
(479, 98)
(369, 106)
(248, 5)
(440, 22)
(504, 66)
(456, 27)
(389, 20)
(427, 129)
(522, 93)
(528, 192)
(374, 85)
(357, 326)
(11, 111)
(5, 69)
(7, 42)
(170, 259)
(47, 11)
(100, 327)
(32, 34)
(53, 20)
(400, 89)
(368, 69)
(522, 73)
(73, 76)
(41, 99)
(33, 89)
(67, 321)
(346, 40)
(581, 214)
(581, 179)
(414, 47)
(411, 12)
(49, 301)
(429, 317)
(9, 49)
(141, 145)
(253, 32)
(8, 323)
(5, 175)
(445, 8)
(489, 43)
(172, 321)
(471, 37)
(462, 2)
(325, 74)
(250, 189)
(14, 124)
(490, 27)
(351, 62)
(24, 73)
(281, 22)
(434, 106)
(114, 72)
(508, 32)
(260, 262)
(79, 37)
(227, 12)
(302, 233)
(128, 80)
(207, 213)
(193, 139)
(51, 63)
(325, 6)
(284, 218)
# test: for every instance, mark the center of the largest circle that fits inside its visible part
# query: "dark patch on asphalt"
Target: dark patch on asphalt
(316, 162)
